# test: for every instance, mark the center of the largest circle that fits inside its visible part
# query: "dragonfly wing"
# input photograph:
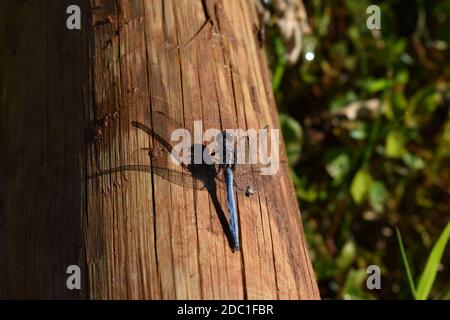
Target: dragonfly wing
(160, 134)
(161, 126)
(244, 175)
(178, 177)
(249, 178)
(136, 168)
(156, 136)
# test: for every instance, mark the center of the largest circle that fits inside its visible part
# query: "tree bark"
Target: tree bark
(69, 99)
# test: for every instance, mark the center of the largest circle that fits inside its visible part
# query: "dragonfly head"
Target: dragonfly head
(228, 156)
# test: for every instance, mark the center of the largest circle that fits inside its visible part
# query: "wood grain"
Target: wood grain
(44, 71)
(137, 235)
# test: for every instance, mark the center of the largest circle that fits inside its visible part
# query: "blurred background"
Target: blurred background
(365, 116)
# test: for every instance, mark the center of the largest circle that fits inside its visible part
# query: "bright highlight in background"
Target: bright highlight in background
(309, 56)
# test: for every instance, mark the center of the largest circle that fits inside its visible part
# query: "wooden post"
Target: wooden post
(69, 99)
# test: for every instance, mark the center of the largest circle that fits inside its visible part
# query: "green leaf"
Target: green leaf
(347, 256)
(377, 195)
(280, 64)
(429, 273)
(402, 76)
(399, 102)
(293, 135)
(359, 133)
(406, 263)
(376, 85)
(395, 144)
(303, 190)
(338, 167)
(413, 161)
(360, 186)
(309, 195)
(307, 74)
(354, 287)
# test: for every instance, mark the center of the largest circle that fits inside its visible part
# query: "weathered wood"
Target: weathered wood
(44, 72)
(134, 234)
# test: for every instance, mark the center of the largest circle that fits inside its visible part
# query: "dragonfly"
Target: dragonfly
(229, 163)
(228, 175)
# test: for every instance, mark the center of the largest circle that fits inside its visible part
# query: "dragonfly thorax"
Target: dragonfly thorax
(228, 154)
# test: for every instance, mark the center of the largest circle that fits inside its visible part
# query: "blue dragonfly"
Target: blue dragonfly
(227, 175)
(229, 164)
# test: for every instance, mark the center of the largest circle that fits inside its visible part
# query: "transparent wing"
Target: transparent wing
(178, 177)
(160, 134)
(252, 178)
(160, 126)
(248, 178)
(204, 175)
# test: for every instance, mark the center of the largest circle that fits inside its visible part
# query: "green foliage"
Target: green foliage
(367, 130)
(293, 135)
(338, 166)
(428, 275)
(406, 263)
(377, 196)
(360, 186)
(395, 144)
